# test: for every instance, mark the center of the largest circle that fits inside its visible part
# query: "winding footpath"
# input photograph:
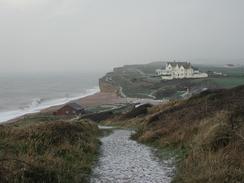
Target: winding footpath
(123, 160)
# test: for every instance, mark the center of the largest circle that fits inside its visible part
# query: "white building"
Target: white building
(179, 70)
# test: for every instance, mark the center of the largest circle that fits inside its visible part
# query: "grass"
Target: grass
(229, 82)
(205, 133)
(137, 82)
(215, 155)
(234, 72)
(209, 127)
(47, 149)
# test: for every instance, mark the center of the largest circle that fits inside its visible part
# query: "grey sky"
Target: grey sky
(58, 35)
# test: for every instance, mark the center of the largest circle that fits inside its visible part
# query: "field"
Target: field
(235, 72)
(229, 82)
(234, 76)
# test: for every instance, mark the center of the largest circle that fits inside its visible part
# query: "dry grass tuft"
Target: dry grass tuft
(210, 126)
(52, 151)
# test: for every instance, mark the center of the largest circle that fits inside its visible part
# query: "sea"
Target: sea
(22, 94)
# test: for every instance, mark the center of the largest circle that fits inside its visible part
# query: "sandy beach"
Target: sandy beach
(97, 99)
(103, 98)
(94, 100)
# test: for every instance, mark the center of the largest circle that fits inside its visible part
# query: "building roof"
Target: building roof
(74, 106)
(186, 65)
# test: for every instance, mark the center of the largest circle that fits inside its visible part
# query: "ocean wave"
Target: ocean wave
(39, 104)
(35, 103)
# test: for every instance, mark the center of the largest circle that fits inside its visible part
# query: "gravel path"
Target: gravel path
(125, 161)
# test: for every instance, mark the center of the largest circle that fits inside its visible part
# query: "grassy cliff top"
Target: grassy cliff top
(140, 81)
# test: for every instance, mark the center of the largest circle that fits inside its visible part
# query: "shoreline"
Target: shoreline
(93, 99)
(90, 100)
(13, 115)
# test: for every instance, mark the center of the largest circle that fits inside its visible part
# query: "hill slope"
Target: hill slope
(47, 149)
(210, 127)
(140, 81)
(207, 128)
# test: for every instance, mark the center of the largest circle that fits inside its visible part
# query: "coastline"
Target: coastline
(14, 115)
(90, 100)
(94, 97)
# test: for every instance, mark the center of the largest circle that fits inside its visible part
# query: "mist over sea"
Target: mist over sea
(27, 93)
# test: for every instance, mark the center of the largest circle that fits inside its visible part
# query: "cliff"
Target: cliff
(140, 81)
(108, 87)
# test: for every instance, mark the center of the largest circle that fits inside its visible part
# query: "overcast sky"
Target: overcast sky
(58, 35)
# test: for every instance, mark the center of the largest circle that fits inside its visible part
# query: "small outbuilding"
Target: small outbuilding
(70, 109)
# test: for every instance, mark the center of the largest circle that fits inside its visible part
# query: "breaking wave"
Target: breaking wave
(39, 104)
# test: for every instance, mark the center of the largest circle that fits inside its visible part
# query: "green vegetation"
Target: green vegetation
(229, 82)
(234, 72)
(44, 148)
(139, 81)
